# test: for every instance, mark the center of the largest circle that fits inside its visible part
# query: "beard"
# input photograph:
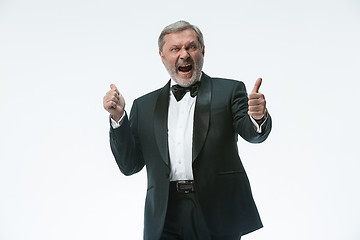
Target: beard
(190, 80)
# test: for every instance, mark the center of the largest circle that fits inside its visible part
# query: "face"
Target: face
(183, 57)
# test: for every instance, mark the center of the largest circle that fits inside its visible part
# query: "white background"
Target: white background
(58, 179)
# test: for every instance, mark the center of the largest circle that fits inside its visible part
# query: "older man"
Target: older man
(186, 135)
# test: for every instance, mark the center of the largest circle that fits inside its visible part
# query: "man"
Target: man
(186, 135)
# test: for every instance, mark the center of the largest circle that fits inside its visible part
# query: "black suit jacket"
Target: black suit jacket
(222, 185)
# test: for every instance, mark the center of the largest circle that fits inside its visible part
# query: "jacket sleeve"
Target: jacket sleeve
(125, 146)
(241, 120)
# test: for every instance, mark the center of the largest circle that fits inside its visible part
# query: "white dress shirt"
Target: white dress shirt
(180, 136)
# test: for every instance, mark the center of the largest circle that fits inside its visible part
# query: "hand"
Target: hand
(257, 103)
(114, 103)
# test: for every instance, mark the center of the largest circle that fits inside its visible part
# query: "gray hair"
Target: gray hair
(178, 27)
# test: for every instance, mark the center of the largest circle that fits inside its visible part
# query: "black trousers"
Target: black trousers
(184, 219)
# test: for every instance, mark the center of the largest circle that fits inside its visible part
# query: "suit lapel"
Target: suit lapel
(201, 118)
(161, 122)
(201, 115)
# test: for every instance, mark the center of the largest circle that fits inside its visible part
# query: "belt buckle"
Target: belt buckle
(184, 186)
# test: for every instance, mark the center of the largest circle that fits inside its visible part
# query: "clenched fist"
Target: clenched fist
(114, 103)
(257, 103)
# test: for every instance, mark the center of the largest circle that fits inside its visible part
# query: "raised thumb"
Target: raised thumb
(113, 87)
(257, 85)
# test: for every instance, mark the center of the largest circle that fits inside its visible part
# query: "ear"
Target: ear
(162, 56)
(203, 50)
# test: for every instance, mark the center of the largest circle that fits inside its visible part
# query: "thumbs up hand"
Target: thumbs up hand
(114, 103)
(257, 103)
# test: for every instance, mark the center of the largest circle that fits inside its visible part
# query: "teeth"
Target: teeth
(185, 68)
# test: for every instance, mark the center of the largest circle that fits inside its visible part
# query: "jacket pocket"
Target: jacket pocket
(231, 172)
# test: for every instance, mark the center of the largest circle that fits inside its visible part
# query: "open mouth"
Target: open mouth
(185, 68)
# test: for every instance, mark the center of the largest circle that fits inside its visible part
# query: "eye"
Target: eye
(174, 49)
(192, 47)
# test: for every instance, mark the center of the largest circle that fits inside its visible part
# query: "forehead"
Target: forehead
(180, 38)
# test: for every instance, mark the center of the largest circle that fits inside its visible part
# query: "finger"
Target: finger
(257, 85)
(114, 88)
(116, 99)
(256, 109)
(256, 96)
(255, 102)
(256, 116)
(121, 100)
(113, 105)
(111, 96)
(109, 105)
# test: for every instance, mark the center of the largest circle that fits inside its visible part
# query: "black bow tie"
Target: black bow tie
(179, 91)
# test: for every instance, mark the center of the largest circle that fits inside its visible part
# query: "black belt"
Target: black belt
(183, 186)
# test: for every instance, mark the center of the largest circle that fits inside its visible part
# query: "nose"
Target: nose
(184, 53)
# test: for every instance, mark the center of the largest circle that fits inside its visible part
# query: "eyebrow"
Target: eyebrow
(190, 43)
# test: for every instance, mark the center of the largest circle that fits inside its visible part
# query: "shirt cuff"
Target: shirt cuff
(256, 125)
(117, 124)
